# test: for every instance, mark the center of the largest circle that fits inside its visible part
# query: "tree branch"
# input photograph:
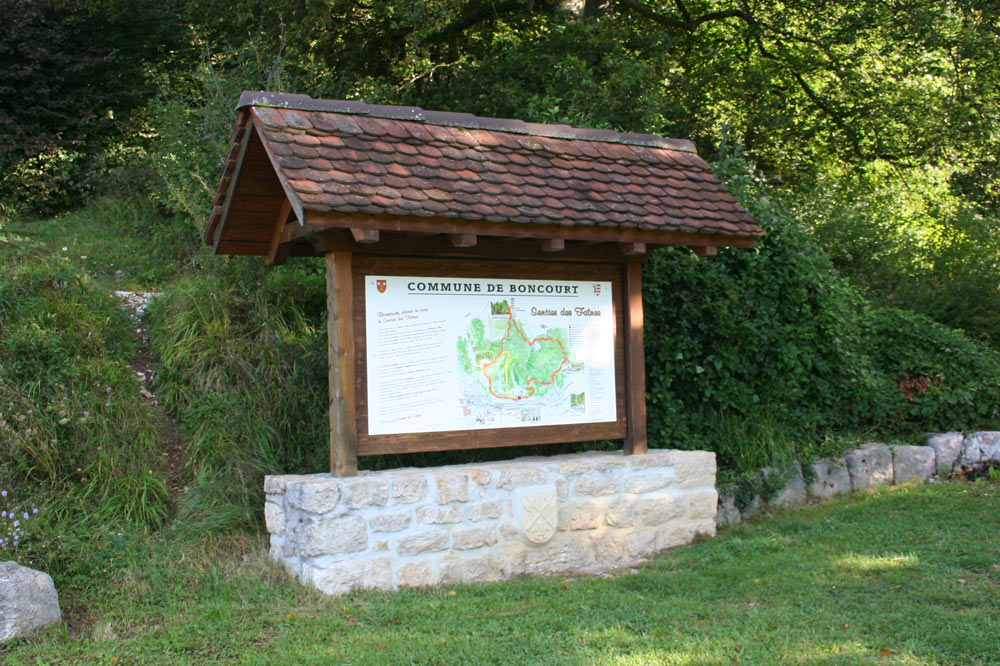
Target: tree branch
(688, 24)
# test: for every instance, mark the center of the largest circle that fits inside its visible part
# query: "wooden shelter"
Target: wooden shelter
(399, 191)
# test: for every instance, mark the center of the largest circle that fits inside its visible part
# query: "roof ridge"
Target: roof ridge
(463, 120)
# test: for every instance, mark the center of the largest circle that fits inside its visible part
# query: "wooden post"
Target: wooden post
(635, 362)
(340, 336)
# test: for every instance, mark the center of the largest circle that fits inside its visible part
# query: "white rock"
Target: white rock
(989, 444)
(869, 466)
(948, 447)
(830, 478)
(913, 462)
(793, 488)
(727, 511)
(28, 601)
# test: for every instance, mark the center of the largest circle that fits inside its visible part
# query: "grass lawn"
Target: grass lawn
(901, 576)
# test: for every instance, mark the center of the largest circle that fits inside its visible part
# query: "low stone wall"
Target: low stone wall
(872, 465)
(487, 522)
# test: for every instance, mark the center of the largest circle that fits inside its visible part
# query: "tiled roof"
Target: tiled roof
(350, 157)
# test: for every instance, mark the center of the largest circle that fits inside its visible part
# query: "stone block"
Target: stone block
(678, 533)
(390, 522)
(433, 515)
(576, 467)
(989, 444)
(830, 478)
(508, 561)
(948, 448)
(585, 515)
(620, 512)
(652, 511)
(609, 461)
(651, 459)
(278, 483)
(645, 482)
(701, 504)
(598, 484)
(608, 547)
(316, 497)
(274, 518)
(490, 509)
(556, 557)
(452, 487)
(409, 489)
(727, 511)
(481, 477)
(752, 508)
(364, 492)
(28, 601)
(970, 451)
(476, 537)
(510, 531)
(455, 570)
(327, 537)
(913, 462)
(694, 468)
(519, 476)
(793, 487)
(417, 574)
(870, 466)
(641, 544)
(429, 542)
(343, 577)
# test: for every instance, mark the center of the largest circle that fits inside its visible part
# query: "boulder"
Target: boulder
(948, 448)
(28, 600)
(830, 478)
(793, 488)
(870, 466)
(987, 442)
(727, 512)
(913, 462)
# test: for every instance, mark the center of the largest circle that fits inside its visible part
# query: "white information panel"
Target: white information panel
(471, 353)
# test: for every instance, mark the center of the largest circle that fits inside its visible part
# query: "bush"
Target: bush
(243, 366)
(946, 381)
(73, 425)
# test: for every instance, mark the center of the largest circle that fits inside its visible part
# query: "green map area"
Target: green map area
(507, 362)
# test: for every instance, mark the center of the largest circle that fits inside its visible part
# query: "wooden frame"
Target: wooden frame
(349, 435)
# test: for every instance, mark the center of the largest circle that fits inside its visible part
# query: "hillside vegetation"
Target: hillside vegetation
(863, 138)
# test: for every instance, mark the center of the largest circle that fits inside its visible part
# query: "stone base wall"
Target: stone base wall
(487, 522)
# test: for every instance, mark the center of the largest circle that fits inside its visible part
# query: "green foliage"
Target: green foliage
(72, 422)
(243, 365)
(942, 375)
(757, 355)
(72, 76)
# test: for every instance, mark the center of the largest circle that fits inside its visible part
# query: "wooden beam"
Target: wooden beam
(277, 252)
(463, 240)
(701, 251)
(340, 339)
(243, 141)
(364, 235)
(632, 249)
(450, 225)
(438, 245)
(635, 361)
(552, 244)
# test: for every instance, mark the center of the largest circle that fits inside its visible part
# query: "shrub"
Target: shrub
(944, 379)
(72, 422)
(243, 366)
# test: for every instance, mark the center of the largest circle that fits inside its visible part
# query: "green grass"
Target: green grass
(122, 243)
(906, 575)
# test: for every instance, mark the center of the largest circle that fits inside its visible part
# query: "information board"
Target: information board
(459, 353)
